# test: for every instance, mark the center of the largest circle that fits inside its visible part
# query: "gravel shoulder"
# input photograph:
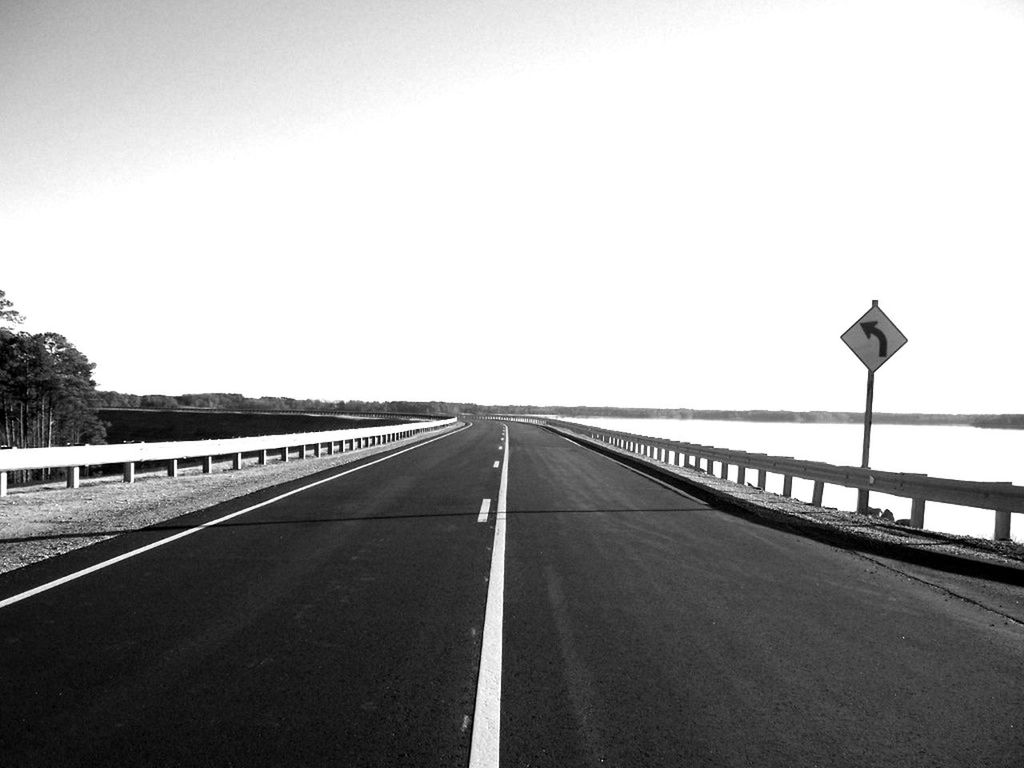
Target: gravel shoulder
(43, 521)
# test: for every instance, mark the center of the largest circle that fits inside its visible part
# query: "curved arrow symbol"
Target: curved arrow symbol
(871, 329)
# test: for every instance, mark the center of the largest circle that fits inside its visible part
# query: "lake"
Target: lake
(962, 453)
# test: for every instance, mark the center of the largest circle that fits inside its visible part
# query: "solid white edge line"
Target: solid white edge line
(485, 510)
(188, 532)
(485, 746)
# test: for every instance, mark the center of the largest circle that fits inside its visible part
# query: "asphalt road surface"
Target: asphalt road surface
(384, 614)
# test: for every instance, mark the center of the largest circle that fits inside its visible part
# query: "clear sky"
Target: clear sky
(620, 202)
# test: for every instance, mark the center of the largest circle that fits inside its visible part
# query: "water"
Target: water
(962, 453)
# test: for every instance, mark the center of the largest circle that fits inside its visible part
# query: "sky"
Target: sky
(596, 202)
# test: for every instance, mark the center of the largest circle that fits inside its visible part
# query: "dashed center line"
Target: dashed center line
(496, 465)
(485, 510)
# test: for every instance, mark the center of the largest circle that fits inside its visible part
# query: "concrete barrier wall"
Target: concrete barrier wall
(1003, 498)
(128, 454)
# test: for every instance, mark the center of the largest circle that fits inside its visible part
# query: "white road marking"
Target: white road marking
(496, 465)
(485, 510)
(484, 748)
(189, 531)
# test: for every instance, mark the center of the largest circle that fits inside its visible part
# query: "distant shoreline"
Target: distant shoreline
(984, 421)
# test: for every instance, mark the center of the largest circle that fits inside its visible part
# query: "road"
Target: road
(346, 622)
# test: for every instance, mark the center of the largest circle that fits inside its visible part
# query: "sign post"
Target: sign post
(874, 339)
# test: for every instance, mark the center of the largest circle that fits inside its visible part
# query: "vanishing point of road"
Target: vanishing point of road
(497, 595)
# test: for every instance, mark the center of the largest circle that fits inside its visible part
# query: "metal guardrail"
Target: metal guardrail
(73, 458)
(1003, 498)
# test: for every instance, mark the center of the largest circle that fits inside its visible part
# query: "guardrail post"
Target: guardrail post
(3, 483)
(74, 477)
(261, 457)
(172, 467)
(741, 474)
(761, 478)
(862, 500)
(207, 464)
(819, 491)
(236, 461)
(725, 471)
(302, 451)
(917, 513)
(128, 472)
(317, 449)
(1002, 532)
(284, 454)
(330, 448)
(787, 486)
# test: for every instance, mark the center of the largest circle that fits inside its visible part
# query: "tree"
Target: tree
(8, 314)
(47, 393)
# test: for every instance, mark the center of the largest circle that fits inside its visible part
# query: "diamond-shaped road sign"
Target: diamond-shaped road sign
(874, 338)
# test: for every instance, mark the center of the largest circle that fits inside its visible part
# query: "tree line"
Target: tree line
(231, 401)
(47, 393)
